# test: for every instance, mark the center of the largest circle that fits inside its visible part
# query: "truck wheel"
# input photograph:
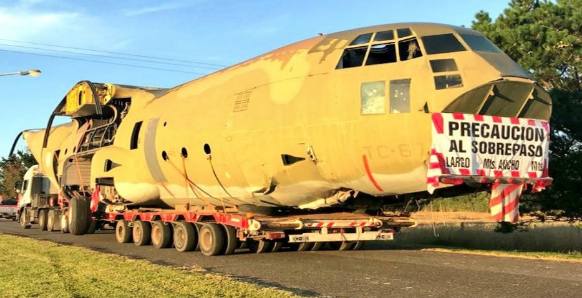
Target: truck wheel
(231, 240)
(43, 219)
(51, 220)
(185, 236)
(64, 223)
(212, 239)
(122, 232)
(92, 227)
(24, 219)
(260, 246)
(142, 233)
(79, 216)
(358, 245)
(161, 234)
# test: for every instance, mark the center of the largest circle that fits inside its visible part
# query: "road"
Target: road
(376, 272)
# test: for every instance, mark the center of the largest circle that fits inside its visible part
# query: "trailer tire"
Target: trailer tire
(304, 246)
(142, 233)
(260, 246)
(161, 234)
(24, 219)
(64, 223)
(342, 246)
(358, 245)
(122, 231)
(277, 245)
(51, 220)
(185, 236)
(317, 246)
(79, 216)
(231, 240)
(92, 226)
(212, 239)
(43, 219)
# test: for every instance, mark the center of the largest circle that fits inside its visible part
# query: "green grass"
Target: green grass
(39, 268)
(557, 240)
(477, 202)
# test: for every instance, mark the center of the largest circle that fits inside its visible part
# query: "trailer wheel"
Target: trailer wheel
(358, 245)
(185, 236)
(64, 223)
(232, 242)
(142, 233)
(161, 234)
(317, 246)
(43, 219)
(24, 219)
(277, 245)
(344, 245)
(122, 231)
(212, 239)
(260, 246)
(304, 246)
(78, 216)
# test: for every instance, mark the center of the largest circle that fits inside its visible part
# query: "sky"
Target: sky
(193, 37)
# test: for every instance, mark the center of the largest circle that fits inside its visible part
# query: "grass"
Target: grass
(477, 202)
(545, 241)
(31, 268)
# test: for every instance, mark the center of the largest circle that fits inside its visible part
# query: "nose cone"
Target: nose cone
(34, 140)
(506, 97)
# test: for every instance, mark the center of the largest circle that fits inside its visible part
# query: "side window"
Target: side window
(135, 135)
(361, 39)
(384, 35)
(403, 32)
(442, 43)
(408, 49)
(448, 81)
(373, 98)
(400, 96)
(352, 57)
(25, 186)
(381, 53)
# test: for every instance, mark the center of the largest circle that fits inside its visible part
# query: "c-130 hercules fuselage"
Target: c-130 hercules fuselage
(308, 125)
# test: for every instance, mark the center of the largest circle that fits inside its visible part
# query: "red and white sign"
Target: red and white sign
(488, 146)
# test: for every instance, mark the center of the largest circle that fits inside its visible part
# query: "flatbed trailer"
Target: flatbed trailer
(221, 233)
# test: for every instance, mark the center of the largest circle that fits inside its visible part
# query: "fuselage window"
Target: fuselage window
(361, 39)
(373, 98)
(443, 65)
(442, 43)
(352, 57)
(384, 35)
(480, 43)
(408, 49)
(400, 96)
(381, 53)
(135, 135)
(403, 32)
(448, 81)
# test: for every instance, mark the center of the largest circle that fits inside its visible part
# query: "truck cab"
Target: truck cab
(36, 197)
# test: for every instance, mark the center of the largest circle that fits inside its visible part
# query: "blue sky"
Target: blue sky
(214, 32)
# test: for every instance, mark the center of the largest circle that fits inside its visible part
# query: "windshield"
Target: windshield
(480, 43)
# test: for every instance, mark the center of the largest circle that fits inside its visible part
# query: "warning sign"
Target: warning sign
(490, 146)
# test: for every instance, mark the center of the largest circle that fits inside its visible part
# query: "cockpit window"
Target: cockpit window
(408, 49)
(480, 43)
(361, 39)
(352, 57)
(382, 53)
(442, 43)
(403, 32)
(384, 35)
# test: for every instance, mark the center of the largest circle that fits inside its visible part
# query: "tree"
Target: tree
(12, 170)
(545, 37)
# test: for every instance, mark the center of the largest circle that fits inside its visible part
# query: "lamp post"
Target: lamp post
(25, 73)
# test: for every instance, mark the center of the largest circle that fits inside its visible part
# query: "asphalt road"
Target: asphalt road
(378, 272)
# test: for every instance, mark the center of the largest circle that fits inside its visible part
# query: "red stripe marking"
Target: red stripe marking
(481, 172)
(532, 174)
(434, 165)
(432, 180)
(478, 117)
(515, 174)
(437, 121)
(465, 171)
(458, 116)
(514, 120)
(498, 173)
(546, 126)
(531, 122)
(369, 173)
(496, 119)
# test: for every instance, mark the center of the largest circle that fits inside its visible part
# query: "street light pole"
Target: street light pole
(25, 73)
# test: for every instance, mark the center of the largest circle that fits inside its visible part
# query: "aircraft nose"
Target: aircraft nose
(506, 97)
